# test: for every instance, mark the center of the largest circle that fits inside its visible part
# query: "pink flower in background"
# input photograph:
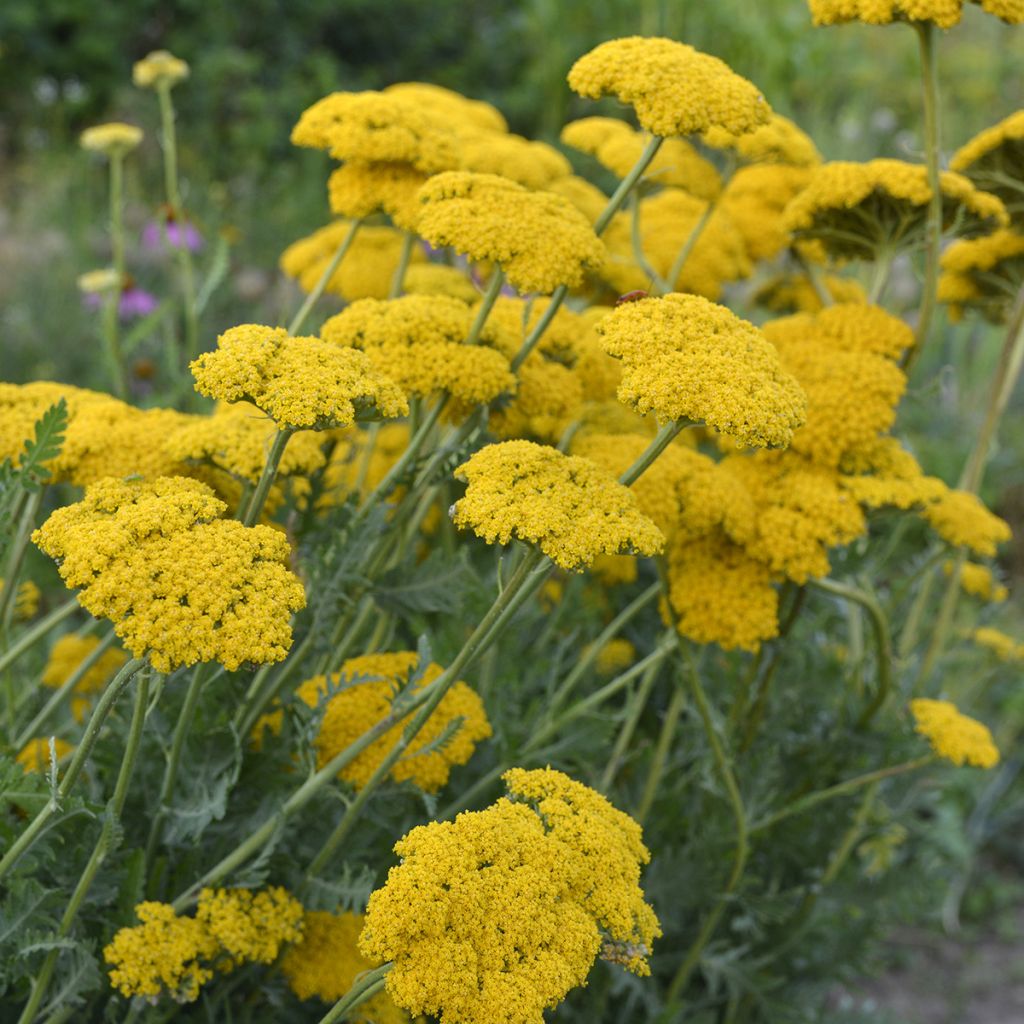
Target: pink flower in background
(135, 302)
(156, 234)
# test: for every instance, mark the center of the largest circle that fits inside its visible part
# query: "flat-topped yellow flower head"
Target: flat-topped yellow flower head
(984, 274)
(1001, 644)
(790, 292)
(250, 927)
(67, 656)
(954, 736)
(978, 581)
(530, 163)
(856, 210)
(780, 141)
(298, 382)
(674, 89)
(460, 111)
(961, 519)
(548, 397)
(755, 200)
(942, 13)
(566, 505)
(539, 239)
(994, 161)
(159, 69)
(685, 358)
(113, 139)
(360, 188)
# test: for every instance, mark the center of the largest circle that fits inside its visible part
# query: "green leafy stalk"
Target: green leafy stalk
(266, 481)
(365, 986)
(665, 436)
(318, 289)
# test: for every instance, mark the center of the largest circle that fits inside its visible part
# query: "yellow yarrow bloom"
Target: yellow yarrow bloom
(846, 327)
(616, 655)
(561, 886)
(26, 600)
(566, 505)
(512, 319)
(539, 239)
(297, 382)
(439, 279)
(159, 68)
(685, 358)
(96, 282)
(954, 736)
(983, 273)
(943, 13)
(674, 89)
(460, 111)
(780, 141)
(587, 198)
(961, 519)
(67, 655)
(795, 293)
(535, 165)
(994, 158)
(35, 755)
(372, 682)
(360, 188)
(755, 200)
(978, 581)
(548, 398)
(249, 927)
(884, 473)
(326, 962)
(999, 643)
(113, 139)
(180, 585)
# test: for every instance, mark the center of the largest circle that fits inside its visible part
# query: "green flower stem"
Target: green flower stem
(339, 651)
(60, 695)
(533, 571)
(16, 555)
(104, 845)
(687, 250)
(813, 275)
(81, 755)
(590, 655)
(365, 986)
(665, 436)
(1004, 381)
(742, 850)
(530, 342)
(36, 632)
(661, 752)
(111, 325)
(882, 637)
(943, 622)
(169, 144)
(248, 715)
(318, 289)
(883, 264)
(933, 225)
(398, 278)
(636, 708)
(621, 194)
(840, 789)
(912, 625)
(490, 296)
(658, 283)
(266, 481)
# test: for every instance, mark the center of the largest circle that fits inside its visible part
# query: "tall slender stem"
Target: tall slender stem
(266, 481)
(16, 555)
(636, 708)
(483, 311)
(665, 436)
(398, 278)
(362, 989)
(538, 329)
(112, 298)
(661, 752)
(36, 632)
(318, 289)
(620, 195)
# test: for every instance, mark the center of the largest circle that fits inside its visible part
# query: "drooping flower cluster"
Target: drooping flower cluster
(954, 736)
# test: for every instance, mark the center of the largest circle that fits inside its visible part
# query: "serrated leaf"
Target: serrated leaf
(45, 445)
(434, 586)
(77, 975)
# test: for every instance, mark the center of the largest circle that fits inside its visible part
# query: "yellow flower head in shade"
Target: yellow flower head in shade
(539, 239)
(566, 505)
(297, 382)
(795, 293)
(439, 279)
(113, 139)
(855, 210)
(418, 341)
(755, 199)
(617, 146)
(954, 736)
(1002, 646)
(719, 594)
(944, 13)
(994, 158)
(512, 319)
(846, 327)
(180, 585)
(159, 68)
(978, 581)
(372, 683)
(326, 961)
(961, 519)
(616, 655)
(983, 273)
(532, 164)
(366, 269)
(674, 89)
(375, 126)
(67, 655)
(884, 473)
(458, 110)
(497, 915)
(685, 358)
(587, 198)
(26, 600)
(356, 449)
(548, 398)
(360, 188)
(163, 954)
(249, 927)
(35, 755)
(666, 221)
(852, 394)
(779, 141)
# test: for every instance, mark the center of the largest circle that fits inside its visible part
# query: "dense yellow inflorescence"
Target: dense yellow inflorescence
(961, 519)
(674, 89)
(978, 581)
(780, 141)
(250, 927)
(113, 139)
(359, 188)
(754, 201)
(539, 239)
(943, 13)
(26, 599)
(954, 736)
(796, 293)
(439, 279)
(372, 683)
(566, 505)
(35, 755)
(983, 273)
(459, 111)
(298, 382)
(535, 165)
(67, 655)
(180, 585)
(548, 398)
(159, 69)
(999, 643)
(495, 917)
(685, 358)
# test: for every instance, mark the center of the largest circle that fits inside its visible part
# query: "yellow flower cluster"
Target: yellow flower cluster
(617, 146)
(326, 962)
(961, 519)
(616, 655)
(539, 239)
(978, 581)
(994, 158)
(984, 273)
(944, 13)
(35, 755)
(674, 89)
(954, 736)
(372, 683)
(26, 600)
(171, 955)
(685, 358)
(511, 319)
(113, 139)
(298, 382)
(439, 279)
(159, 68)
(535, 165)
(886, 474)
(795, 293)
(754, 201)
(499, 914)
(566, 505)
(587, 198)
(180, 585)
(856, 209)
(67, 655)
(999, 643)
(548, 398)
(780, 141)
(358, 189)
(417, 341)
